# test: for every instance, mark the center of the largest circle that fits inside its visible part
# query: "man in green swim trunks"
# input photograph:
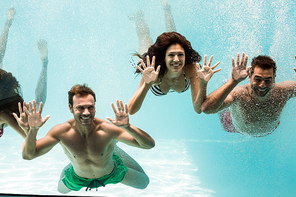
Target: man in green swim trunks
(90, 144)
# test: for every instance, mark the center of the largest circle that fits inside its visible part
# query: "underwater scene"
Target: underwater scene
(94, 42)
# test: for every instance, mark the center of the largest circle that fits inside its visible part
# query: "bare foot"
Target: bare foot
(165, 4)
(42, 47)
(10, 15)
(136, 16)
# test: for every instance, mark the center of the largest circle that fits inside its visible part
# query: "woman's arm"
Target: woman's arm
(136, 101)
(199, 79)
(150, 76)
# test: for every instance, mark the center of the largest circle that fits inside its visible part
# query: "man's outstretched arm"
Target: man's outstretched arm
(221, 98)
(127, 133)
(31, 147)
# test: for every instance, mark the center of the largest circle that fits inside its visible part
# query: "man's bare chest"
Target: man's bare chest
(87, 149)
(269, 110)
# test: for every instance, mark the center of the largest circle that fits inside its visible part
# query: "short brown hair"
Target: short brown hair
(81, 90)
(265, 62)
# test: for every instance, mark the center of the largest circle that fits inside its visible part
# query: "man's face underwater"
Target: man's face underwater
(262, 81)
(83, 109)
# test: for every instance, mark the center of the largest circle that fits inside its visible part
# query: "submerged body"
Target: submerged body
(258, 118)
(255, 108)
(10, 96)
(91, 156)
(174, 64)
(10, 92)
(90, 144)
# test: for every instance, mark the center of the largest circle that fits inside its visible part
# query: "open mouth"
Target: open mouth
(262, 92)
(85, 118)
(176, 65)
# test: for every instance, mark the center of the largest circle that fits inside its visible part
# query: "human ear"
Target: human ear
(250, 74)
(71, 108)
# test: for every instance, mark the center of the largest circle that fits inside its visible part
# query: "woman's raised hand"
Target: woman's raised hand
(149, 73)
(207, 71)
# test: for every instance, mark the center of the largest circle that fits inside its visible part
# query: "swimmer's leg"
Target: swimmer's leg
(4, 36)
(169, 20)
(135, 176)
(143, 32)
(61, 186)
(41, 88)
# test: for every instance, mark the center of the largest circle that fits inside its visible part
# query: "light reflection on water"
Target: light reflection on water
(170, 168)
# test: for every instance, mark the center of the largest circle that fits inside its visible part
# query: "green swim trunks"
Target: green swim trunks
(75, 182)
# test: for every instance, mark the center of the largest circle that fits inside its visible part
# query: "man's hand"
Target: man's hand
(239, 70)
(121, 116)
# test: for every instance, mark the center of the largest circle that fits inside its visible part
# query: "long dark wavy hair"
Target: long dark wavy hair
(10, 93)
(159, 48)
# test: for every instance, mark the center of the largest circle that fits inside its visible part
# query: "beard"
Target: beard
(260, 92)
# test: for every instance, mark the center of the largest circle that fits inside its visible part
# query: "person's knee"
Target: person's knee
(62, 188)
(62, 191)
(136, 179)
(144, 183)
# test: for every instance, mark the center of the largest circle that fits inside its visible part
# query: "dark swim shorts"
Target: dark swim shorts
(226, 121)
(75, 182)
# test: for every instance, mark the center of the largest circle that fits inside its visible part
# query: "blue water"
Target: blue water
(92, 42)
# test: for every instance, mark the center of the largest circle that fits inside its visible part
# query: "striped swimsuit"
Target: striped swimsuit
(157, 91)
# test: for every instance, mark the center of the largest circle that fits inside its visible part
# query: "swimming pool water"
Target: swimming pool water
(92, 42)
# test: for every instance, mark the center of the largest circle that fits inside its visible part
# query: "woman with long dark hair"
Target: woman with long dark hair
(10, 91)
(174, 64)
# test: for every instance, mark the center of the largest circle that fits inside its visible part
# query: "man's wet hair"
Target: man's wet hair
(80, 90)
(264, 62)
